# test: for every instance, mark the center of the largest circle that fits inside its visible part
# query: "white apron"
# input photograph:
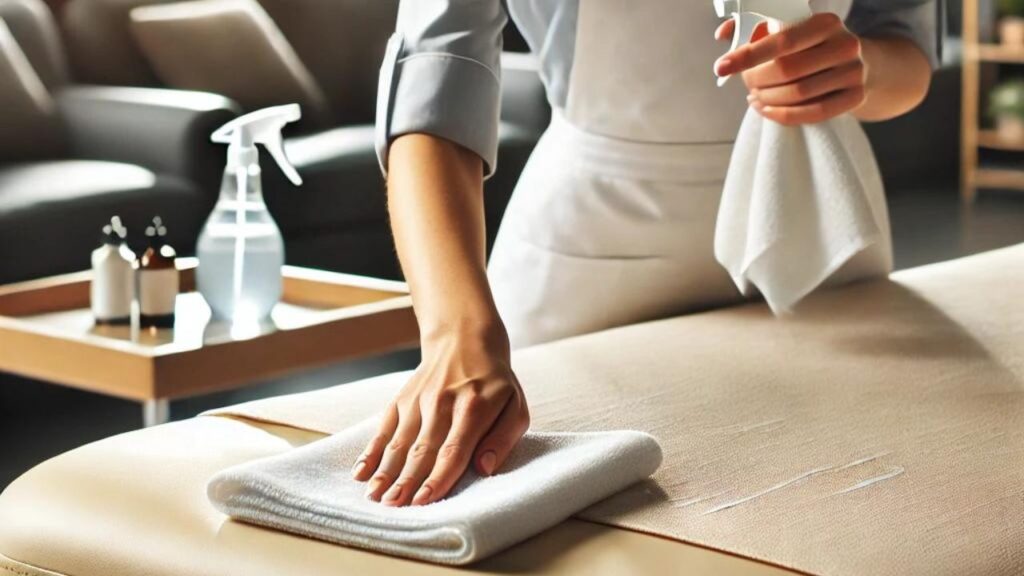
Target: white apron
(612, 221)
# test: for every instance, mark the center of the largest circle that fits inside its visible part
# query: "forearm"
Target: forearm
(435, 200)
(897, 78)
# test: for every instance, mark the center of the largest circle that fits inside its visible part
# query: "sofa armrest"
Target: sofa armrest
(524, 102)
(166, 131)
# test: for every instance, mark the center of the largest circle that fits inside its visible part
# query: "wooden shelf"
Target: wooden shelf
(998, 178)
(991, 139)
(996, 53)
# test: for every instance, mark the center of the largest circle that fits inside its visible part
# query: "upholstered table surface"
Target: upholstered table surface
(879, 430)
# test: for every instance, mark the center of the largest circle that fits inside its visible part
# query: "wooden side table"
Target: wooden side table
(47, 332)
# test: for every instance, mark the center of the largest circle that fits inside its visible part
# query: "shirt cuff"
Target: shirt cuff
(445, 95)
(919, 24)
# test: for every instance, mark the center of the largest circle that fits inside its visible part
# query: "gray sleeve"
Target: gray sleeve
(917, 20)
(441, 75)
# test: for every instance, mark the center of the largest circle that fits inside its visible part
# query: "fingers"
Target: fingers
(473, 417)
(725, 30)
(422, 455)
(837, 51)
(814, 111)
(833, 80)
(395, 453)
(495, 447)
(370, 458)
(798, 38)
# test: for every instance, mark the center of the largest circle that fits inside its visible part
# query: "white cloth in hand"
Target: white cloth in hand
(798, 203)
(548, 477)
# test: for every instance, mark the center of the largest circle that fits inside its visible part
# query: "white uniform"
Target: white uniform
(613, 219)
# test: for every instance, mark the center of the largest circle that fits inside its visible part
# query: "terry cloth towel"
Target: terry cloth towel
(548, 477)
(798, 203)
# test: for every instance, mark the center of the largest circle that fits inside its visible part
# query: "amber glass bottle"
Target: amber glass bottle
(158, 280)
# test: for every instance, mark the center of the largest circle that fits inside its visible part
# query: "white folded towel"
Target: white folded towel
(798, 203)
(548, 477)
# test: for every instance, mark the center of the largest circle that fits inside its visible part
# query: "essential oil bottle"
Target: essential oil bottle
(113, 277)
(158, 279)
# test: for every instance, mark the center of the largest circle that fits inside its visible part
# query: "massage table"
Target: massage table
(878, 430)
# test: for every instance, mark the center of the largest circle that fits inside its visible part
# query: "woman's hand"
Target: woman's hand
(805, 74)
(817, 70)
(462, 406)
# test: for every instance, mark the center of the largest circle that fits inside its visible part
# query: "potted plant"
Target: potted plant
(1011, 22)
(1006, 106)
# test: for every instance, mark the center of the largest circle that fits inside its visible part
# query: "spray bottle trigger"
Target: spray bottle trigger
(276, 149)
(746, 23)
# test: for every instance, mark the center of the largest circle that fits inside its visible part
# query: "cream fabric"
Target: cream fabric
(136, 505)
(191, 45)
(878, 431)
(547, 478)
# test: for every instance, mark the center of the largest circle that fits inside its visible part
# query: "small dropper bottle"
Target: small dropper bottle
(158, 280)
(113, 282)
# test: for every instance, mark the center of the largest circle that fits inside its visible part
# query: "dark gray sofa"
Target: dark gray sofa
(135, 152)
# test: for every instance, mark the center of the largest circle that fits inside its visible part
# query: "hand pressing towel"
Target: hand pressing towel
(798, 203)
(310, 491)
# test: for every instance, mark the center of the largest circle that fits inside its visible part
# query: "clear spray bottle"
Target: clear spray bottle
(240, 249)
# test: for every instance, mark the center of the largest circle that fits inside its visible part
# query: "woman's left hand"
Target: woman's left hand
(808, 73)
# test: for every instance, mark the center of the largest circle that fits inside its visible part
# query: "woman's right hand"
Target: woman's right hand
(463, 406)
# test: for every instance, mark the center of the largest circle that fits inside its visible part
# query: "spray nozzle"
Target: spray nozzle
(157, 230)
(747, 14)
(115, 232)
(261, 127)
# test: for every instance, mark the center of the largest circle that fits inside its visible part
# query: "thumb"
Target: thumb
(495, 447)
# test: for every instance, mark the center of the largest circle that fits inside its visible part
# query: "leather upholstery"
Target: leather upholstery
(51, 212)
(169, 130)
(36, 33)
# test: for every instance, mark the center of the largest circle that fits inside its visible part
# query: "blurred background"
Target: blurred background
(106, 107)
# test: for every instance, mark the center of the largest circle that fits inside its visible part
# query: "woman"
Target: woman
(612, 220)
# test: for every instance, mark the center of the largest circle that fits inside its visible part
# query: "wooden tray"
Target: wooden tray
(47, 332)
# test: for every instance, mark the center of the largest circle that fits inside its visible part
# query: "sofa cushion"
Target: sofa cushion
(33, 27)
(229, 47)
(51, 212)
(27, 110)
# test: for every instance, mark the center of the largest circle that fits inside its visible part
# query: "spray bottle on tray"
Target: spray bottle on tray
(240, 249)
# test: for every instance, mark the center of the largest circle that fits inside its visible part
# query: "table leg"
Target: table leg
(155, 412)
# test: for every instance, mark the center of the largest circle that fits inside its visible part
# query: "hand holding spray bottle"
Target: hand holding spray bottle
(801, 205)
(240, 249)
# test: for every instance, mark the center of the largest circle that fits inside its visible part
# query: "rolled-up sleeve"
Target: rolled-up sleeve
(917, 20)
(442, 75)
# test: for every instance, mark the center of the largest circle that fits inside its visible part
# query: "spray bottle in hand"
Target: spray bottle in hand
(801, 205)
(747, 14)
(240, 249)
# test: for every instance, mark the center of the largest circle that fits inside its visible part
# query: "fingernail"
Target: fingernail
(394, 493)
(372, 488)
(751, 98)
(766, 108)
(358, 468)
(423, 494)
(487, 462)
(722, 65)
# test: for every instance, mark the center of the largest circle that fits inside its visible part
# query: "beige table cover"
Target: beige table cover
(878, 431)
